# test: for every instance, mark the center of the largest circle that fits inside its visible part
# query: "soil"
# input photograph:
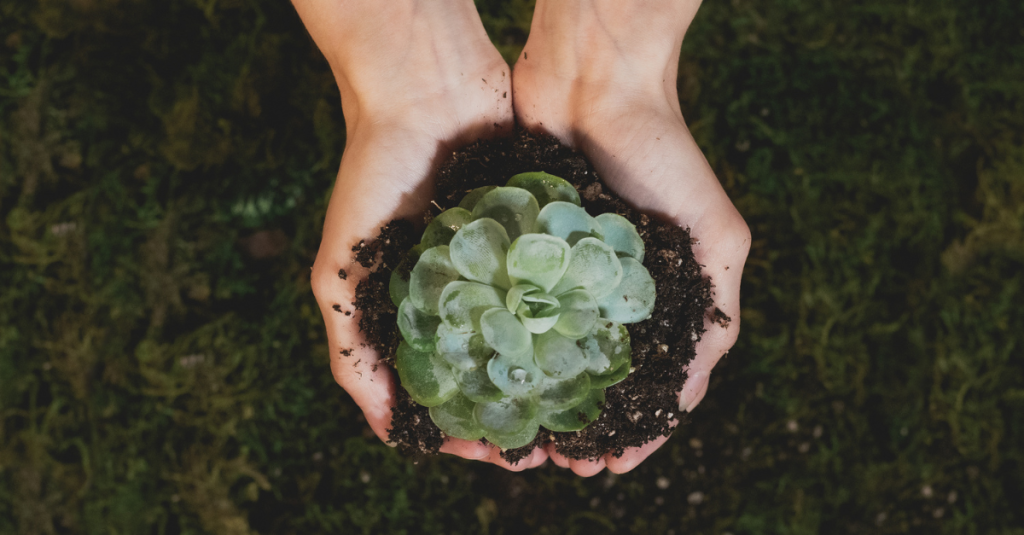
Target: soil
(637, 410)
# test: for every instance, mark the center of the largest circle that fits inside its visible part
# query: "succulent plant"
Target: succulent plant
(513, 313)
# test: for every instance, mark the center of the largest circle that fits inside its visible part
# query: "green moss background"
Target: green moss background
(164, 170)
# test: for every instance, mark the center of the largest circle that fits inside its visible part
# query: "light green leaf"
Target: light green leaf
(514, 375)
(417, 327)
(568, 222)
(515, 295)
(398, 286)
(473, 197)
(455, 418)
(558, 356)
(476, 385)
(606, 347)
(613, 377)
(537, 259)
(462, 303)
(517, 439)
(577, 417)
(479, 251)
(514, 208)
(444, 226)
(464, 351)
(425, 376)
(578, 314)
(554, 394)
(432, 273)
(545, 188)
(593, 266)
(537, 322)
(505, 418)
(633, 299)
(505, 333)
(621, 235)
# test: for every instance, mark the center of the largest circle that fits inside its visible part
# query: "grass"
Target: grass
(155, 377)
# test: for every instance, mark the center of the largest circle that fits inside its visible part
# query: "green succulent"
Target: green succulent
(513, 314)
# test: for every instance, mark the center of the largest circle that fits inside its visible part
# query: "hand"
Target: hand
(417, 81)
(600, 75)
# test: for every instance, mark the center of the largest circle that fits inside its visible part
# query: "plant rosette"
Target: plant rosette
(512, 311)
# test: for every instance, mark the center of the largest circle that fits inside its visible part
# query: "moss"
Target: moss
(157, 377)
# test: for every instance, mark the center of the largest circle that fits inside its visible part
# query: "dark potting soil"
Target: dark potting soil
(637, 410)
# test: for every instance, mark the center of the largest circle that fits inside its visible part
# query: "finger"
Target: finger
(587, 467)
(632, 457)
(721, 247)
(473, 450)
(539, 457)
(495, 458)
(557, 458)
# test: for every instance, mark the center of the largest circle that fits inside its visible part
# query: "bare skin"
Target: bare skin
(601, 76)
(420, 78)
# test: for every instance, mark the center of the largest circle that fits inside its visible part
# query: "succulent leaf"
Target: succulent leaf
(507, 422)
(545, 188)
(476, 384)
(593, 267)
(444, 226)
(473, 197)
(537, 259)
(479, 251)
(516, 376)
(427, 379)
(568, 222)
(462, 303)
(633, 299)
(606, 347)
(417, 327)
(517, 439)
(455, 418)
(613, 377)
(578, 314)
(398, 286)
(463, 351)
(514, 208)
(559, 357)
(432, 273)
(554, 395)
(577, 417)
(537, 322)
(621, 235)
(505, 333)
(515, 294)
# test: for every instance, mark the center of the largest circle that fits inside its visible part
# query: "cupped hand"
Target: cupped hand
(600, 75)
(417, 80)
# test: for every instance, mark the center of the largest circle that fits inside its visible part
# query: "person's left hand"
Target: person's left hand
(600, 75)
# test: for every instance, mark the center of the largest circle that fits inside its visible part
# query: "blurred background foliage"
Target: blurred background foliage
(164, 170)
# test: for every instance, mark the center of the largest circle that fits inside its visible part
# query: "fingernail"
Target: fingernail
(693, 390)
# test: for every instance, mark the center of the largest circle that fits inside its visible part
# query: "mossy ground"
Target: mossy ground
(164, 170)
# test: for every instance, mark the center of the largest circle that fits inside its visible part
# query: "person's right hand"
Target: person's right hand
(418, 80)
(600, 75)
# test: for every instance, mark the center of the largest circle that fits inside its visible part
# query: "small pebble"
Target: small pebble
(695, 498)
(927, 491)
(662, 482)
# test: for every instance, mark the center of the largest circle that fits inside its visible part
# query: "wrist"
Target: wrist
(599, 42)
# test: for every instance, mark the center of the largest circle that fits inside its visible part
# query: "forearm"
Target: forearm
(389, 54)
(610, 40)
